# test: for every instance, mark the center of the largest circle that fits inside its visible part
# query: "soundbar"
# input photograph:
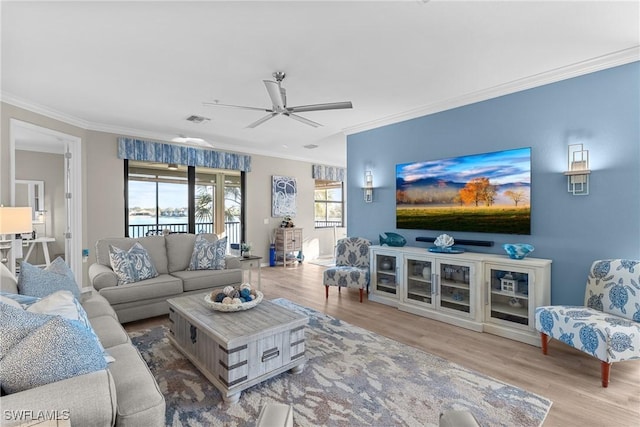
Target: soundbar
(459, 241)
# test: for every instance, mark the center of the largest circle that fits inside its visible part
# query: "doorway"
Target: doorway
(27, 137)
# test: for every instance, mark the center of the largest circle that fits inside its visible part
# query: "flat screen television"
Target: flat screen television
(486, 193)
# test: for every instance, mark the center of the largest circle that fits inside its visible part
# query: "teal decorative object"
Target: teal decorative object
(392, 239)
(517, 250)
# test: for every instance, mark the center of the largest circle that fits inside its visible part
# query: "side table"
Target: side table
(247, 264)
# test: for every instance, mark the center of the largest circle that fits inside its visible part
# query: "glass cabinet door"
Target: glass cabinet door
(455, 287)
(385, 275)
(419, 281)
(508, 295)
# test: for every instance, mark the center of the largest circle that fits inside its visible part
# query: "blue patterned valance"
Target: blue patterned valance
(328, 173)
(149, 151)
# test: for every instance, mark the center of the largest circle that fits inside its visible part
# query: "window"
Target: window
(158, 200)
(329, 204)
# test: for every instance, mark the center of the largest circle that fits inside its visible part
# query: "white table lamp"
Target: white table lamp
(14, 220)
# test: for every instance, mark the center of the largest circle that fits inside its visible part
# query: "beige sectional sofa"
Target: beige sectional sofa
(124, 394)
(171, 255)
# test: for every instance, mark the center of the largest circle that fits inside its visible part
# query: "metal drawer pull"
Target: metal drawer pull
(270, 354)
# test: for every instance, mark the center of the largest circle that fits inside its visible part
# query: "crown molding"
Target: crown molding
(611, 60)
(138, 133)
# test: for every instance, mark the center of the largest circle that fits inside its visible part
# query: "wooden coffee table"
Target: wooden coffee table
(238, 350)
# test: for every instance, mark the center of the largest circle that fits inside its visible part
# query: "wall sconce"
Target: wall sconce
(368, 187)
(578, 170)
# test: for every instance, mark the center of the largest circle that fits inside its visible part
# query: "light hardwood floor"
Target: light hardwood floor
(570, 378)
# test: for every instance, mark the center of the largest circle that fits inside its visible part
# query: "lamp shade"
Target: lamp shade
(15, 220)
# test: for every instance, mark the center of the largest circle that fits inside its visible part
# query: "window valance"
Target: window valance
(149, 151)
(328, 173)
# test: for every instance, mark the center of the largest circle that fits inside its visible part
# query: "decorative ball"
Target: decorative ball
(228, 290)
(253, 292)
(243, 299)
(219, 297)
(252, 297)
(237, 301)
(245, 286)
(245, 293)
(234, 294)
(227, 300)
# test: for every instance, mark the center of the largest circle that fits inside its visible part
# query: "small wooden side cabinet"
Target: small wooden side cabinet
(288, 245)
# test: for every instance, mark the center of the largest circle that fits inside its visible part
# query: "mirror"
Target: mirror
(30, 193)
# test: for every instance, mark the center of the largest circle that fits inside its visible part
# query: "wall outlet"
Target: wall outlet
(266, 221)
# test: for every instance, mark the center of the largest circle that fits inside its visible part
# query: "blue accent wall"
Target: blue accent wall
(601, 110)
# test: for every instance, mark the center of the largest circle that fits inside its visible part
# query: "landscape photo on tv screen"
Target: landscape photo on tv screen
(487, 193)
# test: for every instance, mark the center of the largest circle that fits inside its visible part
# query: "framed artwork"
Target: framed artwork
(283, 196)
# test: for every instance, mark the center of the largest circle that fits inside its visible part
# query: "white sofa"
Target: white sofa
(124, 394)
(171, 255)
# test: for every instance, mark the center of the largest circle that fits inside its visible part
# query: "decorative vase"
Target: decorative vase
(426, 272)
(517, 250)
(385, 264)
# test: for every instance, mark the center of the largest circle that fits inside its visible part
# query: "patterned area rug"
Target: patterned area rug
(353, 377)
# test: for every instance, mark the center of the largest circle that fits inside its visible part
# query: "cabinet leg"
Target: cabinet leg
(297, 369)
(544, 341)
(605, 368)
(326, 291)
(360, 294)
(233, 398)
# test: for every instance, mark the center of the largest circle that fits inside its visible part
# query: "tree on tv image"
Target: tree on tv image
(478, 206)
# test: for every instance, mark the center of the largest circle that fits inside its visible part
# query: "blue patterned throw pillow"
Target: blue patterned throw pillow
(16, 324)
(39, 282)
(133, 265)
(54, 351)
(208, 255)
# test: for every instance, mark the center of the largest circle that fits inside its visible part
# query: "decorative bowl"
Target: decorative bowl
(517, 250)
(218, 306)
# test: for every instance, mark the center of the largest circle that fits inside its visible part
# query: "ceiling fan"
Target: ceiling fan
(278, 97)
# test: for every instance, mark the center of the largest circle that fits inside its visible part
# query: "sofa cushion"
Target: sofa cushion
(208, 255)
(8, 281)
(109, 331)
(133, 265)
(39, 282)
(155, 246)
(179, 250)
(203, 279)
(140, 402)
(96, 305)
(57, 350)
(162, 286)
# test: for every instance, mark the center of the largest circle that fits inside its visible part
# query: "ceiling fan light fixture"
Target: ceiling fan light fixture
(172, 166)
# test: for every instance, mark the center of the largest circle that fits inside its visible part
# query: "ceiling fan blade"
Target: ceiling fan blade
(275, 93)
(215, 104)
(320, 107)
(303, 120)
(262, 120)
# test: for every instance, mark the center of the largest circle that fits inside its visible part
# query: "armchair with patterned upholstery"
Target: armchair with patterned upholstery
(352, 266)
(608, 326)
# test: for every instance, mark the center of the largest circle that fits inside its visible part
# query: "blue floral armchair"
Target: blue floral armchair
(352, 266)
(608, 327)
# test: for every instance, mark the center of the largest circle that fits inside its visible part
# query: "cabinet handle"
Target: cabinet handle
(270, 354)
(486, 295)
(194, 334)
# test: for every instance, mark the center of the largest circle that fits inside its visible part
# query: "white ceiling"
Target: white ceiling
(141, 68)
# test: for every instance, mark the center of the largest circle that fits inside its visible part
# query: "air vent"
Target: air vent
(310, 146)
(197, 119)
